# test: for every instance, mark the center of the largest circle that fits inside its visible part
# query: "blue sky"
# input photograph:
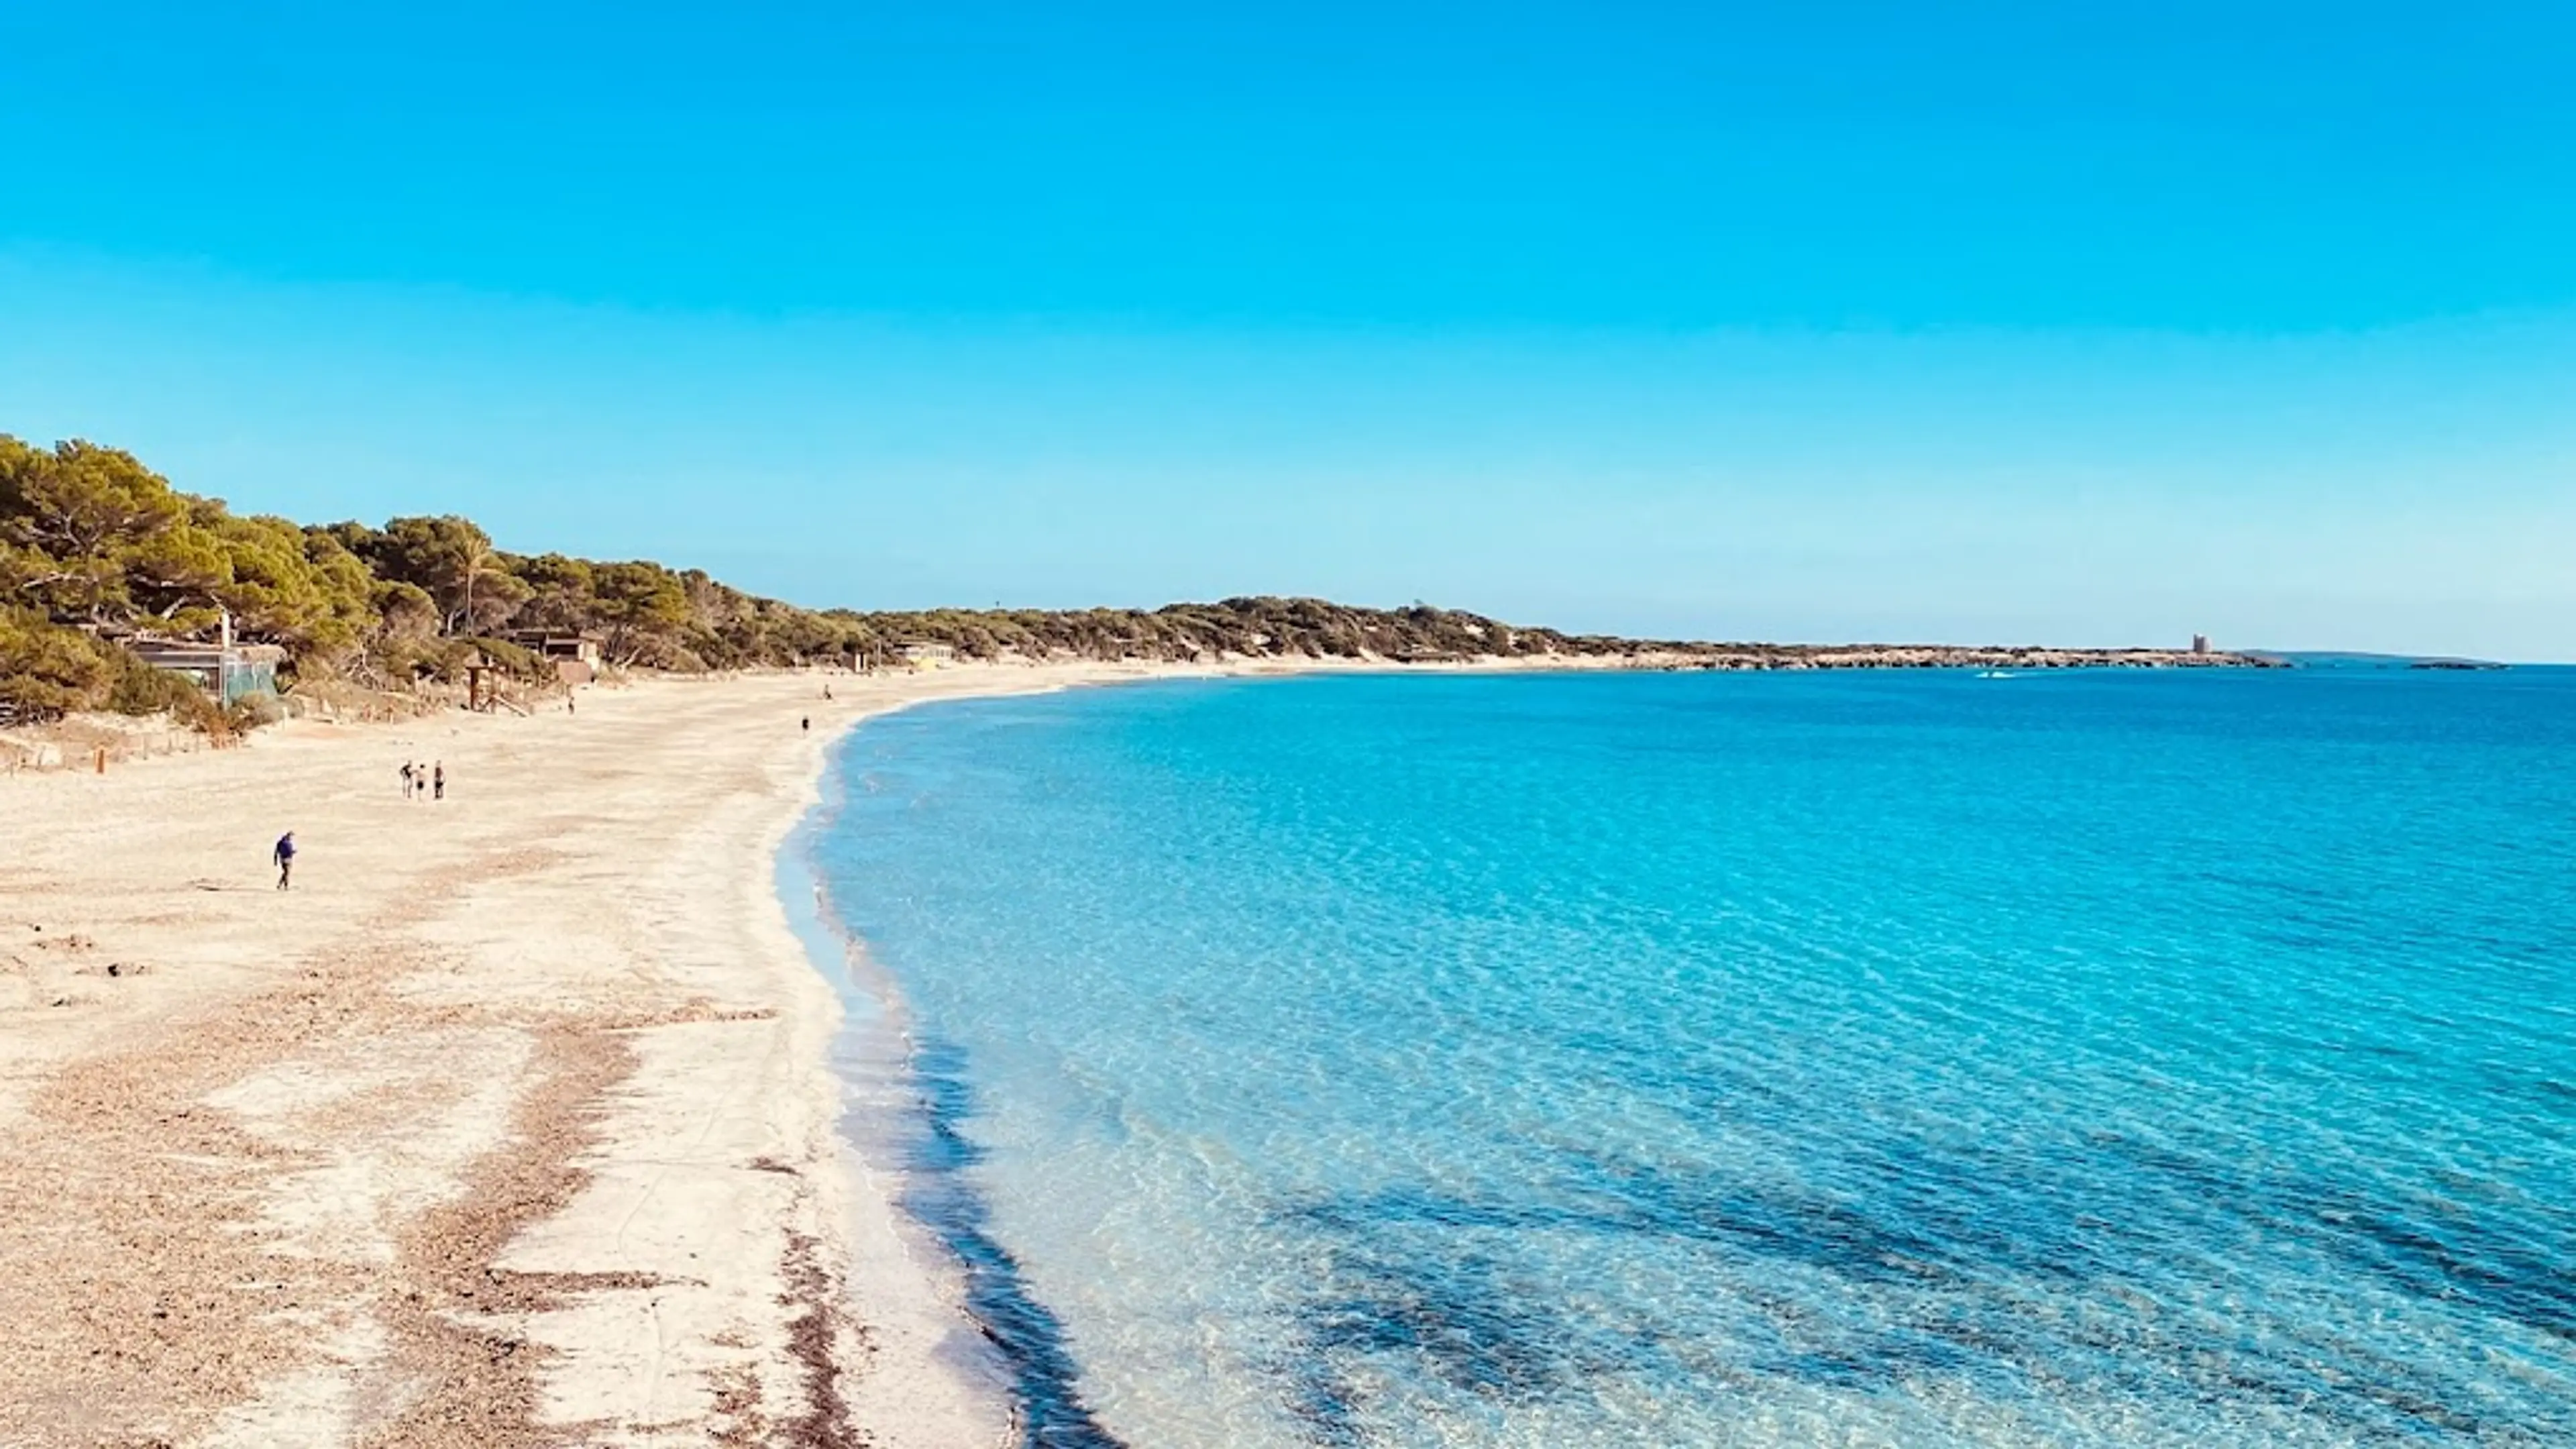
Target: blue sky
(1827, 321)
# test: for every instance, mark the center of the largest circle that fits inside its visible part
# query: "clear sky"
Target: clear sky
(1821, 321)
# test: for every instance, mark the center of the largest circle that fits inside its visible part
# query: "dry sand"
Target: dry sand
(511, 1124)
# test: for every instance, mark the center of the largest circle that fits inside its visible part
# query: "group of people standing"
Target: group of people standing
(424, 782)
(419, 782)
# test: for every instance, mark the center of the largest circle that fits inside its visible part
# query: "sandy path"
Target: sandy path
(510, 1125)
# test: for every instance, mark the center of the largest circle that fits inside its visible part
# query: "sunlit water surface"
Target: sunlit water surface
(1903, 1059)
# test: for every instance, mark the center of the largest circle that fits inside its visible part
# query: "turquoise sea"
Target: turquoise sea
(1790, 1059)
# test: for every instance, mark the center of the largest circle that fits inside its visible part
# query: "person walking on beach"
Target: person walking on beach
(407, 779)
(807, 723)
(284, 858)
(438, 781)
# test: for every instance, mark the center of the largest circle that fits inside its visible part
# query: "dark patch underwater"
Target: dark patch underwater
(1045, 1380)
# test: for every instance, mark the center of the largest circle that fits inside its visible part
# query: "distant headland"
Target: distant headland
(2345, 659)
(103, 563)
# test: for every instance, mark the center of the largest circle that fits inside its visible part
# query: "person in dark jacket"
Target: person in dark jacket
(284, 858)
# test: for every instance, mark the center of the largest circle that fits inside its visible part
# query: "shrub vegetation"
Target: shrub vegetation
(95, 548)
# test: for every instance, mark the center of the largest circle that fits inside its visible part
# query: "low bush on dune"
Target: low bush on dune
(49, 670)
(256, 711)
(140, 689)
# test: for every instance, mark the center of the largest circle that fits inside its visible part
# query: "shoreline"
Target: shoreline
(898, 1112)
(910, 1278)
(902, 1113)
(1264, 1233)
(524, 1117)
(516, 1122)
(68, 745)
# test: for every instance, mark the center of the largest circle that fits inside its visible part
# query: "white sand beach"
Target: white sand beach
(512, 1123)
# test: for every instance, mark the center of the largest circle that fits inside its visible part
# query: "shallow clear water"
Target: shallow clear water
(1905, 1059)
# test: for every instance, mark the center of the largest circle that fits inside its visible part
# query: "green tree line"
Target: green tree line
(96, 548)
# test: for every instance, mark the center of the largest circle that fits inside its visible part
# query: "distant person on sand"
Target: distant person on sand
(284, 858)
(407, 779)
(568, 704)
(827, 692)
(806, 723)
(438, 781)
